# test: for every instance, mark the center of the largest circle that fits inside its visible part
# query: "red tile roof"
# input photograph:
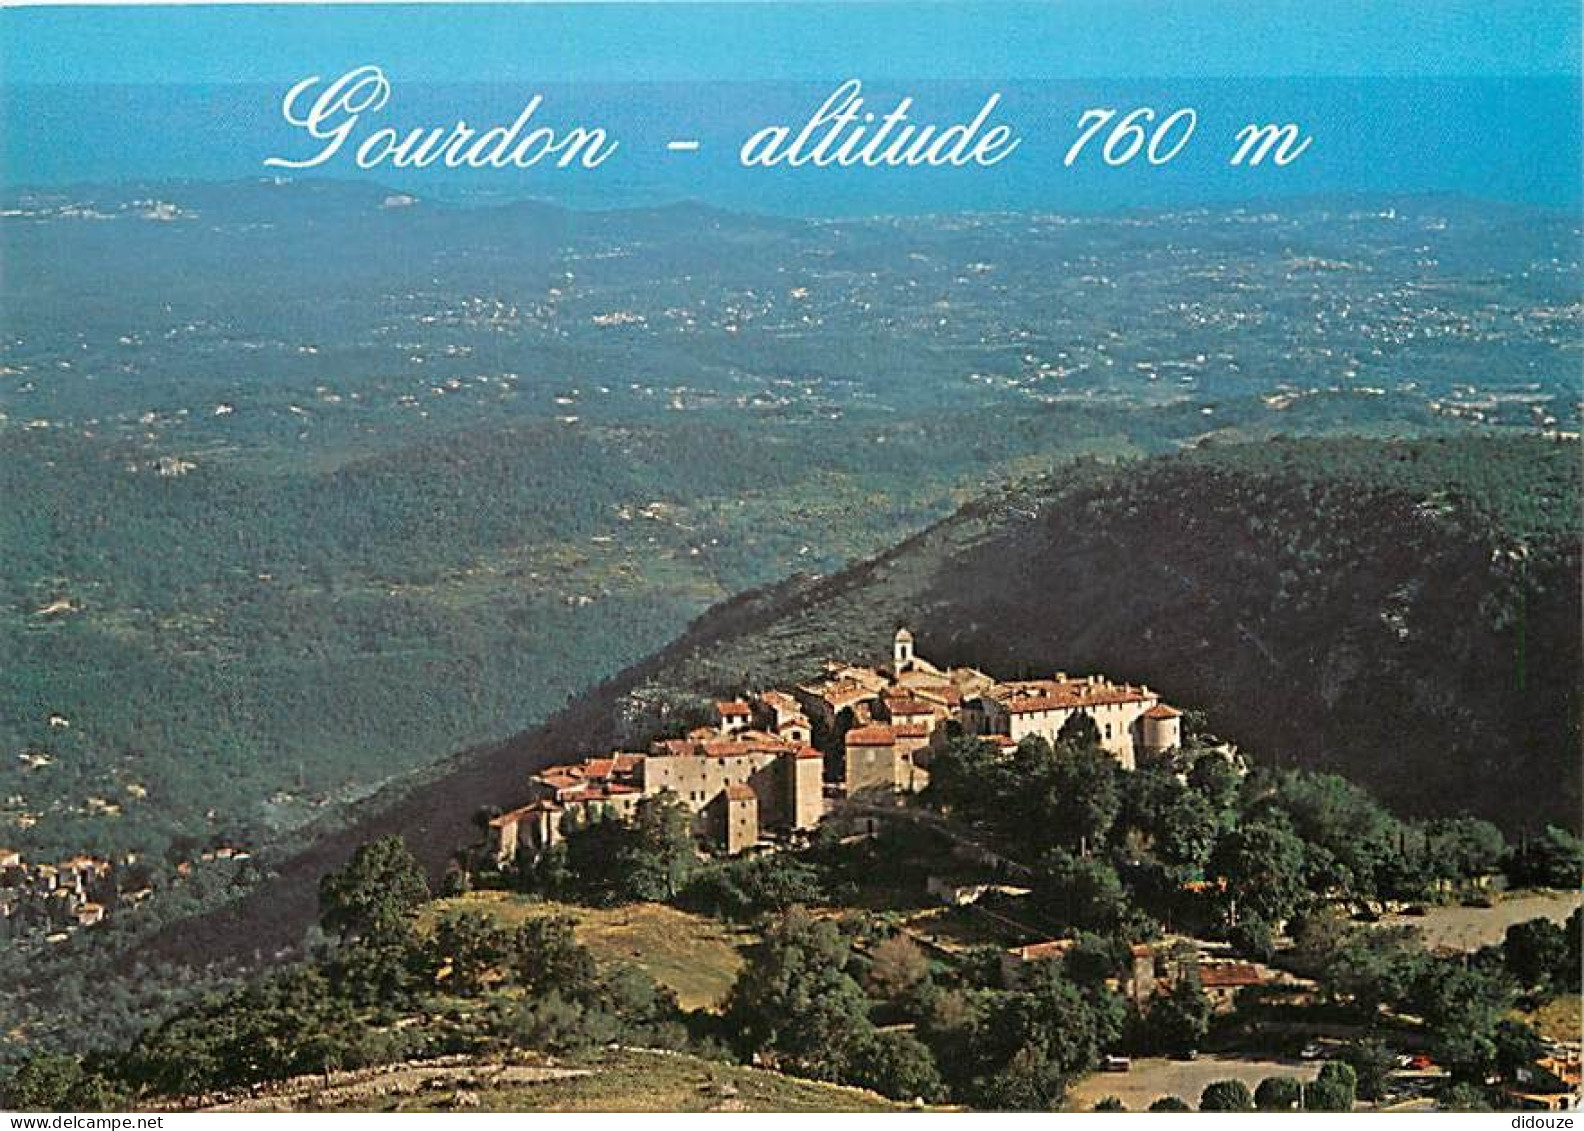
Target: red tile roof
(839, 693)
(780, 701)
(722, 747)
(871, 736)
(517, 815)
(1030, 696)
(947, 696)
(1161, 711)
(562, 777)
(734, 708)
(1229, 975)
(1035, 952)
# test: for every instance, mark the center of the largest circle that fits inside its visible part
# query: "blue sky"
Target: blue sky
(772, 40)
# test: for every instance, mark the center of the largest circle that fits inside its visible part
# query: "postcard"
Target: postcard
(766, 557)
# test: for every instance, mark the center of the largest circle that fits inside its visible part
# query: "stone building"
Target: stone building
(735, 716)
(743, 783)
(756, 769)
(1130, 720)
(734, 817)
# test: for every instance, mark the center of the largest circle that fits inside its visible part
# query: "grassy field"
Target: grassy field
(696, 956)
(1560, 1018)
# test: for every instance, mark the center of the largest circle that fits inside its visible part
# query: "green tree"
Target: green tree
(1253, 938)
(592, 866)
(1536, 952)
(896, 1064)
(1082, 893)
(962, 774)
(648, 1012)
(1226, 1095)
(1109, 1103)
(1463, 847)
(1517, 1047)
(659, 855)
(47, 1082)
(1463, 1008)
(1463, 1096)
(545, 955)
(1344, 821)
(1169, 1103)
(1215, 778)
(379, 972)
(898, 970)
(1018, 1051)
(466, 950)
(747, 887)
(1335, 1089)
(1278, 1093)
(557, 1024)
(1554, 859)
(1082, 795)
(1317, 935)
(286, 1023)
(1148, 792)
(1573, 961)
(794, 1000)
(374, 896)
(1372, 1063)
(1186, 834)
(1263, 867)
(1373, 968)
(1180, 1020)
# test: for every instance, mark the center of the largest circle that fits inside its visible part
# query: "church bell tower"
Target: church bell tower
(902, 651)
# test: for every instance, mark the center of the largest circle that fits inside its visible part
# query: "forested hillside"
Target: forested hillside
(275, 537)
(1404, 613)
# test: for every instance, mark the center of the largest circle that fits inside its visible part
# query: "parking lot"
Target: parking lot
(1150, 1078)
(1469, 928)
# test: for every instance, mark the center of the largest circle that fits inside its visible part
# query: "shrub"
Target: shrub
(1278, 1093)
(1226, 1095)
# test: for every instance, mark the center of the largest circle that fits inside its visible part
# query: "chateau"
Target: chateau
(774, 759)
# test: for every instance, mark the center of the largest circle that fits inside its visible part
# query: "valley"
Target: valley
(291, 551)
(422, 472)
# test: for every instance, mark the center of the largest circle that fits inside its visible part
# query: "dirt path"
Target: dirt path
(361, 1088)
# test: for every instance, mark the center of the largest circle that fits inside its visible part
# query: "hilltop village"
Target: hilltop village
(1190, 904)
(49, 901)
(775, 760)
